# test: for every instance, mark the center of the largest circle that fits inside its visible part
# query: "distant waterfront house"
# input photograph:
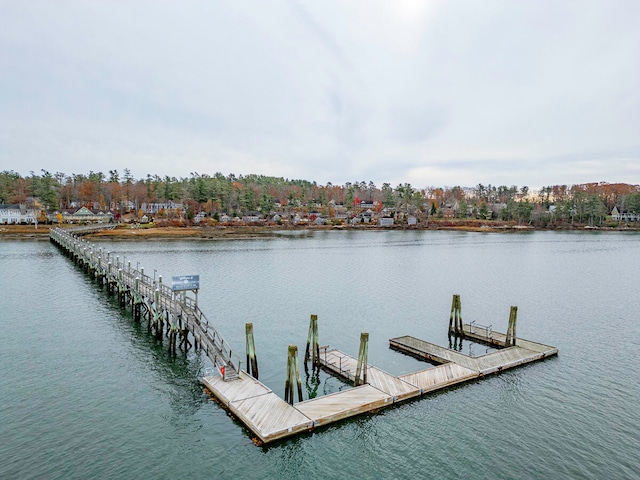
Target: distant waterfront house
(252, 217)
(13, 214)
(155, 208)
(385, 221)
(83, 215)
(625, 215)
(412, 221)
(497, 208)
(366, 204)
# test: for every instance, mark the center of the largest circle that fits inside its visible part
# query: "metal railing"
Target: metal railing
(487, 328)
(154, 291)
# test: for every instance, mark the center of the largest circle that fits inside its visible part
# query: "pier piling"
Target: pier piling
(363, 359)
(293, 376)
(312, 351)
(252, 361)
(510, 340)
(455, 319)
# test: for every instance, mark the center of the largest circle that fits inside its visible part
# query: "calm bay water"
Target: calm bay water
(86, 393)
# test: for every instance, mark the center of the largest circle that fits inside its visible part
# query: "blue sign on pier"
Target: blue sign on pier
(185, 282)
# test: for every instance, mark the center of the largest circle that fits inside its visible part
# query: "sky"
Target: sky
(431, 93)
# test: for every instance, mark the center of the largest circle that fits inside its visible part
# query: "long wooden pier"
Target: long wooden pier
(175, 312)
(267, 415)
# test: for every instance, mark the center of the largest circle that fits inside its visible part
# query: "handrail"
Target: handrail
(116, 270)
(488, 328)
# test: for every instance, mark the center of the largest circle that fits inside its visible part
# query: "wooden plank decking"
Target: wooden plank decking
(270, 418)
(439, 377)
(265, 413)
(347, 403)
(345, 366)
(524, 352)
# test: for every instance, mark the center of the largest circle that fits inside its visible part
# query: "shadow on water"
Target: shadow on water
(179, 371)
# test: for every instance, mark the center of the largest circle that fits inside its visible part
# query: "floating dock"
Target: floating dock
(524, 352)
(270, 418)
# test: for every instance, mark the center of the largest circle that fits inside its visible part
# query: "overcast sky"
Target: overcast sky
(426, 92)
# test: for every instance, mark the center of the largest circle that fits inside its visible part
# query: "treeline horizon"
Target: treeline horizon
(237, 194)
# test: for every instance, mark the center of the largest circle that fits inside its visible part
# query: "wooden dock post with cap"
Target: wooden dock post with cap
(252, 361)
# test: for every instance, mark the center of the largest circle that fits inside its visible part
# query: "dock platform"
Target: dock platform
(270, 418)
(525, 351)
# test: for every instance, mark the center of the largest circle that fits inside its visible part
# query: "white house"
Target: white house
(385, 221)
(15, 214)
(252, 217)
(625, 215)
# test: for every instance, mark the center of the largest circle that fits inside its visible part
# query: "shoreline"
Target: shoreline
(129, 232)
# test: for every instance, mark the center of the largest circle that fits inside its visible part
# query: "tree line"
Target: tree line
(232, 194)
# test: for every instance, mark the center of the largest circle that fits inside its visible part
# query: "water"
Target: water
(87, 393)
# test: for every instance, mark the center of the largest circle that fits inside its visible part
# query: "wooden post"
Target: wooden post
(510, 341)
(293, 375)
(363, 359)
(173, 335)
(313, 346)
(455, 319)
(252, 361)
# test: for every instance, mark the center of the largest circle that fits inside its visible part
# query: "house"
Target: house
(252, 217)
(84, 215)
(385, 221)
(155, 208)
(625, 215)
(18, 213)
(497, 208)
(199, 217)
(412, 221)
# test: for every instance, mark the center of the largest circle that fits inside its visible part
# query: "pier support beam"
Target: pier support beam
(293, 376)
(313, 346)
(252, 361)
(510, 341)
(363, 360)
(455, 319)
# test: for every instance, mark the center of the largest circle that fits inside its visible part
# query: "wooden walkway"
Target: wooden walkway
(268, 416)
(168, 312)
(345, 365)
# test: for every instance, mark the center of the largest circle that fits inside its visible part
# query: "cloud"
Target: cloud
(423, 92)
